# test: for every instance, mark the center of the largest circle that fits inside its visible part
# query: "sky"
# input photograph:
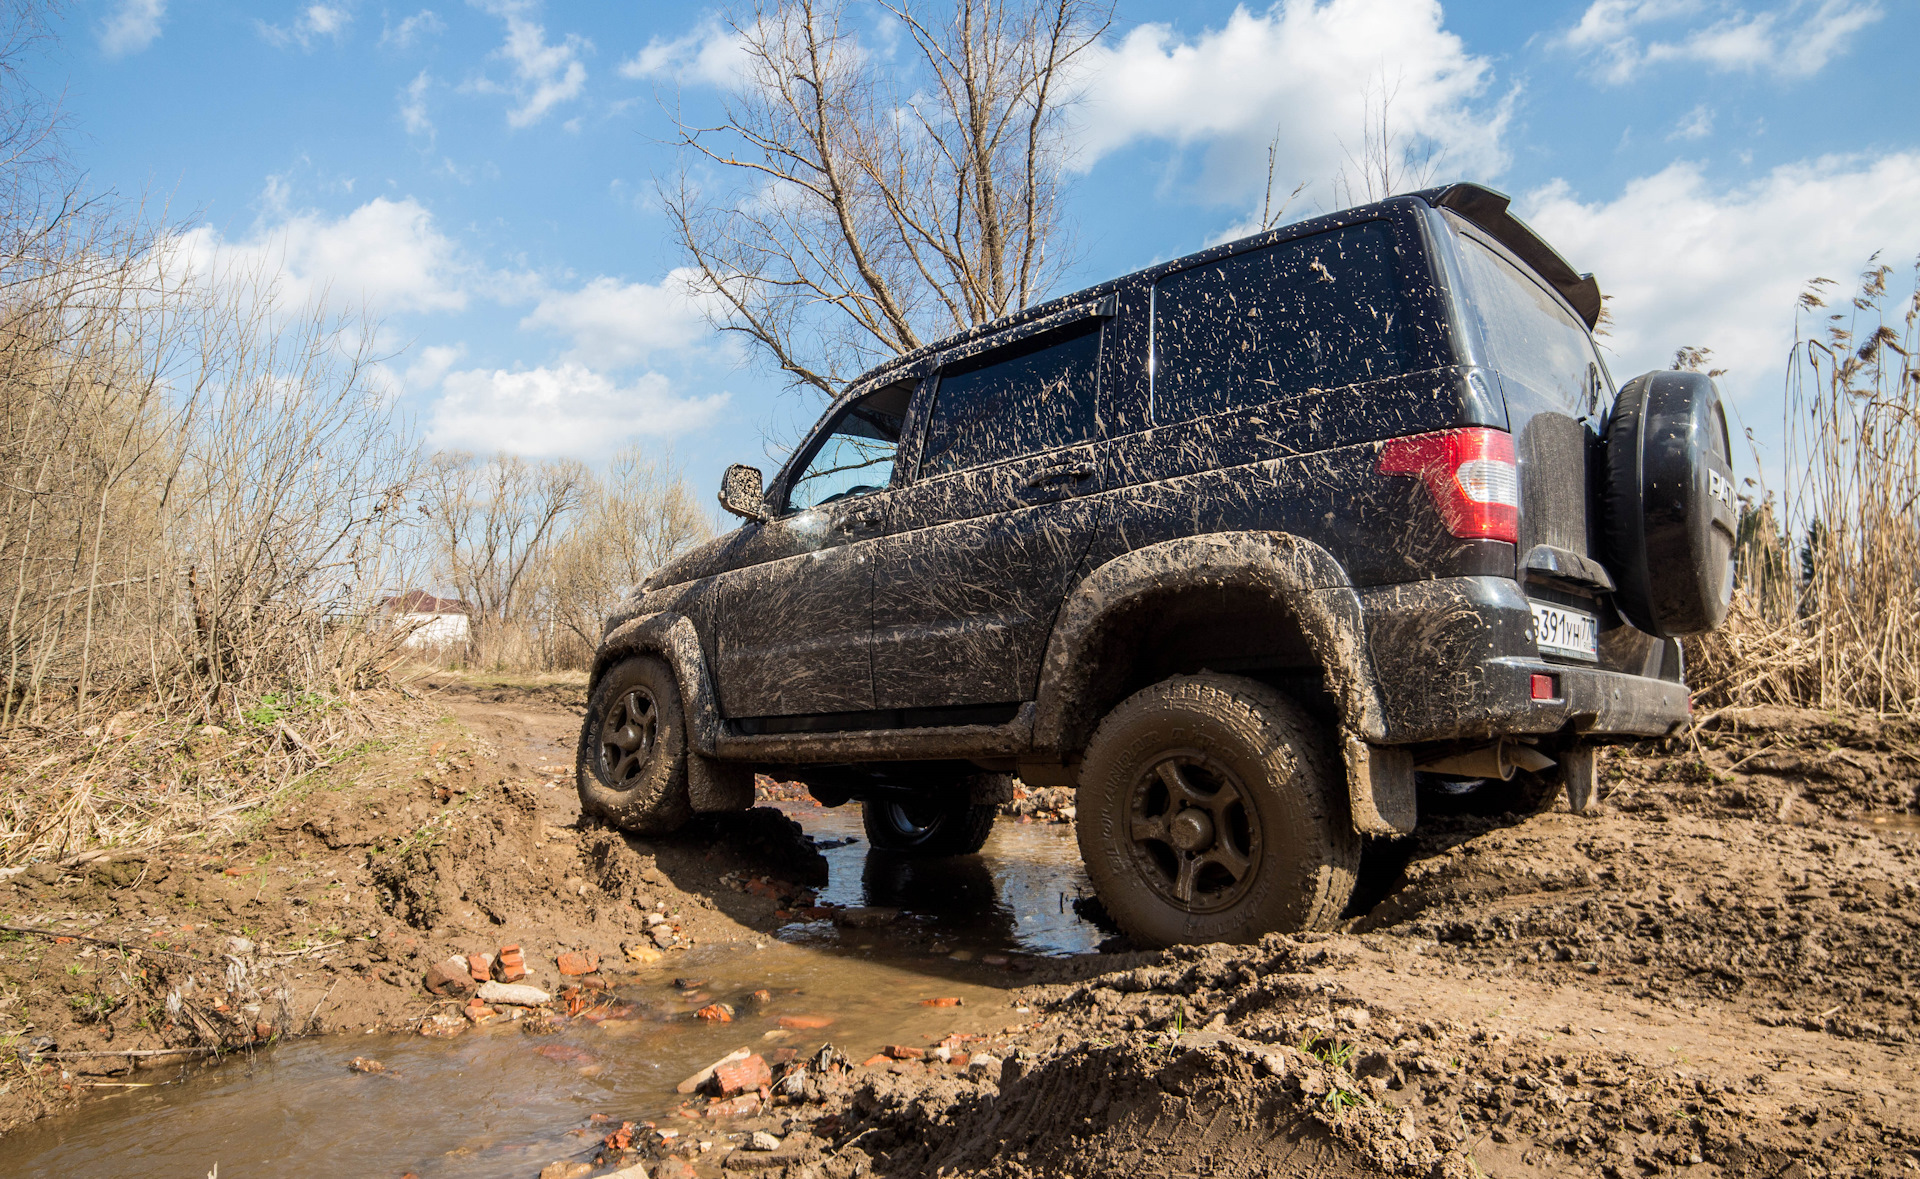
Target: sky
(480, 175)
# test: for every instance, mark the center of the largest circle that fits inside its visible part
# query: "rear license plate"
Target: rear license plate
(1560, 631)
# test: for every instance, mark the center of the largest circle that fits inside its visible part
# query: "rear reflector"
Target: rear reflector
(1544, 688)
(1470, 475)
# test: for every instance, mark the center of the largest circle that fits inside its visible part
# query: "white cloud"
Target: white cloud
(544, 75)
(711, 54)
(131, 27)
(1695, 124)
(1310, 71)
(1796, 39)
(314, 22)
(386, 254)
(413, 106)
(566, 410)
(1689, 264)
(417, 27)
(614, 324)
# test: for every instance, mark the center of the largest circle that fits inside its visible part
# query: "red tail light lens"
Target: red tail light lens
(1471, 475)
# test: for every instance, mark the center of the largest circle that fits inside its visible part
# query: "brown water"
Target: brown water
(497, 1102)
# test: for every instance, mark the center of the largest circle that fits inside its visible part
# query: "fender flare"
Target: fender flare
(1300, 577)
(713, 785)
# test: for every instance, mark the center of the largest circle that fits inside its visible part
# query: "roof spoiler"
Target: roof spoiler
(1487, 209)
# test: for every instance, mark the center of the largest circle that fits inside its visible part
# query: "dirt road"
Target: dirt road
(1714, 977)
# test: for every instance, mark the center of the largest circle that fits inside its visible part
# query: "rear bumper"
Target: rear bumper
(1455, 658)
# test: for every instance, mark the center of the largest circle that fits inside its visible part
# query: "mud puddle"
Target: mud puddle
(498, 1102)
(1015, 897)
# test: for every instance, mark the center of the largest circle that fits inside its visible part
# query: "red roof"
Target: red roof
(422, 602)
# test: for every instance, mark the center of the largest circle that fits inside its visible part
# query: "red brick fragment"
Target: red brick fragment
(742, 1076)
(876, 1058)
(949, 1001)
(449, 978)
(574, 963)
(479, 967)
(511, 965)
(716, 1012)
(805, 1023)
(904, 1051)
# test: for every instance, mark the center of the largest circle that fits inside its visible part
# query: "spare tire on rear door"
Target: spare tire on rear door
(1670, 511)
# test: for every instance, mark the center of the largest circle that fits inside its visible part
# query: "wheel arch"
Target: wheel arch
(1294, 586)
(713, 785)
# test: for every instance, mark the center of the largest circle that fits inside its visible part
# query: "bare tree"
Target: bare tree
(494, 522)
(865, 212)
(637, 517)
(1390, 160)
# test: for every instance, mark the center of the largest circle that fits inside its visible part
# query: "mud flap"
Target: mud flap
(715, 785)
(1580, 764)
(1380, 788)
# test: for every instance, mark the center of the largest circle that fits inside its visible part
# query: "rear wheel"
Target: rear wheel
(631, 769)
(1209, 810)
(927, 826)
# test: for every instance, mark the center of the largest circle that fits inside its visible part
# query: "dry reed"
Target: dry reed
(1826, 610)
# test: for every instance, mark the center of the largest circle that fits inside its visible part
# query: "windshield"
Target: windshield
(1531, 338)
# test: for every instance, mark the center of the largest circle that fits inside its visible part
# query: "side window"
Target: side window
(1316, 313)
(856, 455)
(1033, 397)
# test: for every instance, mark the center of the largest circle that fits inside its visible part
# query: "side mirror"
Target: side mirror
(742, 492)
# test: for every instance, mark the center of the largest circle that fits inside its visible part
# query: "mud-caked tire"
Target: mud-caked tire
(1210, 810)
(935, 825)
(631, 768)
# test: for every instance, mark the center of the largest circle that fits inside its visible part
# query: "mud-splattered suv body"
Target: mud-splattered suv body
(1235, 464)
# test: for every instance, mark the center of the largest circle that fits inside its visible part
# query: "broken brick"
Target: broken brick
(742, 1076)
(805, 1023)
(512, 964)
(949, 1001)
(451, 977)
(716, 1012)
(903, 1052)
(576, 963)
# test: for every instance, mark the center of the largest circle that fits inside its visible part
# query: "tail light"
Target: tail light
(1471, 475)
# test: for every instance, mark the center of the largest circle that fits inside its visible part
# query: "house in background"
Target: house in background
(435, 622)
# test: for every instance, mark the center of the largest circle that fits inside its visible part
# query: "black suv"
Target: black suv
(1265, 551)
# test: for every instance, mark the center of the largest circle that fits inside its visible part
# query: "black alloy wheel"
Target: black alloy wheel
(1193, 839)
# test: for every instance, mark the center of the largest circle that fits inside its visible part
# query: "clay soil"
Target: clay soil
(459, 833)
(1716, 976)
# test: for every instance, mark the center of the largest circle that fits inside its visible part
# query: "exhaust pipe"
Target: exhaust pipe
(1498, 760)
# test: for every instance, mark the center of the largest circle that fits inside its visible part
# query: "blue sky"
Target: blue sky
(480, 175)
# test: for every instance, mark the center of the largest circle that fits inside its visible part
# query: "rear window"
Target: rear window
(1316, 313)
(1033, 397)
(1531, 337)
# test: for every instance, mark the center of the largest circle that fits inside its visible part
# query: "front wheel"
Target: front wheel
(1209, 811)
(927, 826)
(632, 765)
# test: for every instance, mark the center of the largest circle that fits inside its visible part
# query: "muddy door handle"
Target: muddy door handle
(1074, 471)
(866, 518)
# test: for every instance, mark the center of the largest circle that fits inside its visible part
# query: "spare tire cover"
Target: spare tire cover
(1670, 515)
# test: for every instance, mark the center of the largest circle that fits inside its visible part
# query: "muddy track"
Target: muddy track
(458, 834)
(1715, 976)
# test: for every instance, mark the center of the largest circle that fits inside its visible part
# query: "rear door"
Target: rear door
(983, 542)
(1558, 392)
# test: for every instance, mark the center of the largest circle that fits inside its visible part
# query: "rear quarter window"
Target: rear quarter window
(1530, 336)
(1319, 312)
(1031, 397)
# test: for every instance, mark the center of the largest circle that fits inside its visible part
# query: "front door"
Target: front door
(793, 623)
(985, 541)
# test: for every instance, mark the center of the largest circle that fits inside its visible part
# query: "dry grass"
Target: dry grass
(202, 495)
(1826, 610)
